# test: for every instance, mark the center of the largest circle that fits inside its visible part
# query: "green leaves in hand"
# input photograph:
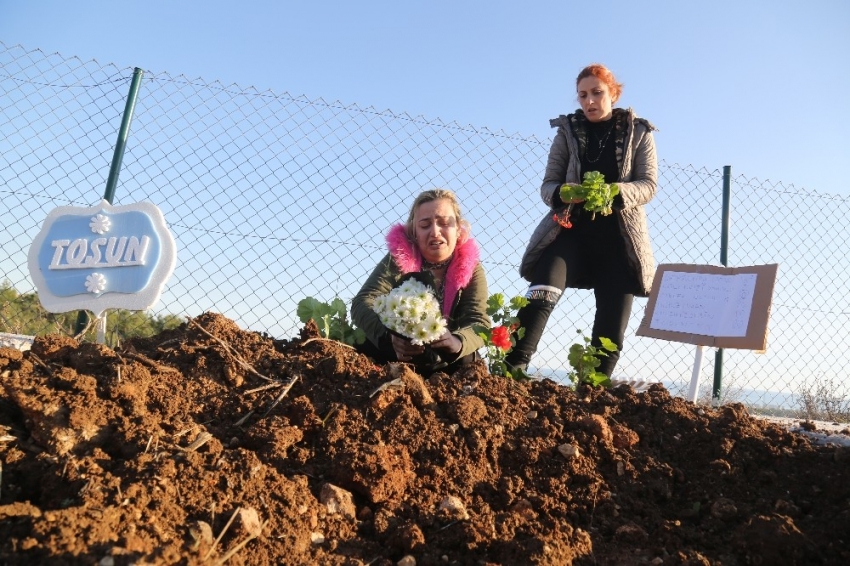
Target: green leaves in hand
(598, 196)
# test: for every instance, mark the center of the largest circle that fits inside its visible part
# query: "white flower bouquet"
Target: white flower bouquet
(412, 311)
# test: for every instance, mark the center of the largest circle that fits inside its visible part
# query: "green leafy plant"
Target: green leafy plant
(584, 359)
(502, 336)
(598, 197)
(331, 319)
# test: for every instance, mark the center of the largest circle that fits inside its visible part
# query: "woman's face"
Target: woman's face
(595, 99)
(436, 229)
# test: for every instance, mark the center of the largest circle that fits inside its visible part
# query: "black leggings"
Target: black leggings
(587, 255)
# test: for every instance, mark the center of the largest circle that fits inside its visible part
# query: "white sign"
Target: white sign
(707, 305)
(101, 257)
(702, 303)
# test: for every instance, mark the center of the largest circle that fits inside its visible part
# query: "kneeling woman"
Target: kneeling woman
(434, 247)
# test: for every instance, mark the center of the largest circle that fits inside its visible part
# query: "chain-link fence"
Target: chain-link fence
(272, 198)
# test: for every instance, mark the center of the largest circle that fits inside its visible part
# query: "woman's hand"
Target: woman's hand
(404, 350)
(448, 343)
(565, 188)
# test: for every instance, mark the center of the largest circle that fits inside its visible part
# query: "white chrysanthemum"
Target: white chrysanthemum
(416, 312)
(412, 311)
(436, 325)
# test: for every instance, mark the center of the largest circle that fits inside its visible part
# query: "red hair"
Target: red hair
(602, 73)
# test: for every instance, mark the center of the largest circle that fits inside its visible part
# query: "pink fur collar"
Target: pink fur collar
(407, 257)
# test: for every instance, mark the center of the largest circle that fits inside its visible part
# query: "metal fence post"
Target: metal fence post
(117, 158)
(724, 248)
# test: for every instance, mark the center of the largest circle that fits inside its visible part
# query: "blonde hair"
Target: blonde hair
(464, 228)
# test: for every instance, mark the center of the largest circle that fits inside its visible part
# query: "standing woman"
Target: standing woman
(610, 254)
(434, 247)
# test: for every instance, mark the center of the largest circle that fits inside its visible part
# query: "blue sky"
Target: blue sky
(756, 85)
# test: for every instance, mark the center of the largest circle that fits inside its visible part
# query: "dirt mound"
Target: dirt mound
(209, 445)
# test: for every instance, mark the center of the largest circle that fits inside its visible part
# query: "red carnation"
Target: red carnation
(501, 338)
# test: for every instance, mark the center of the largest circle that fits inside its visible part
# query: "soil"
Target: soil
(209, 444)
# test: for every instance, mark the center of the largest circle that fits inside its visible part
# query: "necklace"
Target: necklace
(440, 265)
(602, 143)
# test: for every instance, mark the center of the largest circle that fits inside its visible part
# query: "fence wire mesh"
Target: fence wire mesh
(272, 198)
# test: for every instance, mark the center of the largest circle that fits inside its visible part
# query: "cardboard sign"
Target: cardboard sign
(101, 257)
(706, 305)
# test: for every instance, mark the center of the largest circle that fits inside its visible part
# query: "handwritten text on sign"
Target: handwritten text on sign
(707, 304)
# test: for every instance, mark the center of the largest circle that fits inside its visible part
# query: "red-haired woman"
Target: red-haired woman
(610, 254)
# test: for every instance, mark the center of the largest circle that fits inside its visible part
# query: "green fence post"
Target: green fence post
(117, 158)
(724, 248)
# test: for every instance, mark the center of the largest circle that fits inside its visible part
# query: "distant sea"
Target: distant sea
(781, 403)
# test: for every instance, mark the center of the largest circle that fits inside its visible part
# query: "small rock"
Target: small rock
(317, 538)
(531, 415)
(338, 500)
(407, 561)
(568, 451)
(453, 508)
(249, 521)
(201, 533)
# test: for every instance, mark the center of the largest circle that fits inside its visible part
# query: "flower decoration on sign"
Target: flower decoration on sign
(95, 283)
(411, 310)
(100, 224)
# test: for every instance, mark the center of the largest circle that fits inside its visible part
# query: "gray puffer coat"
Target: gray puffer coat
(638, 184)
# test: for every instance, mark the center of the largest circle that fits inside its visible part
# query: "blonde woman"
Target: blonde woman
(436, 248)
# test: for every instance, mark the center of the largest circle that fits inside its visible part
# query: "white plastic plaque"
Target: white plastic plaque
(101, 257)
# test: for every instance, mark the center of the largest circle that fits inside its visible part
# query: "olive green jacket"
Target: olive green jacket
(464, 298)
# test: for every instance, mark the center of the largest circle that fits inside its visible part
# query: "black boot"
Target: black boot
(532, 318)
(607, 362)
